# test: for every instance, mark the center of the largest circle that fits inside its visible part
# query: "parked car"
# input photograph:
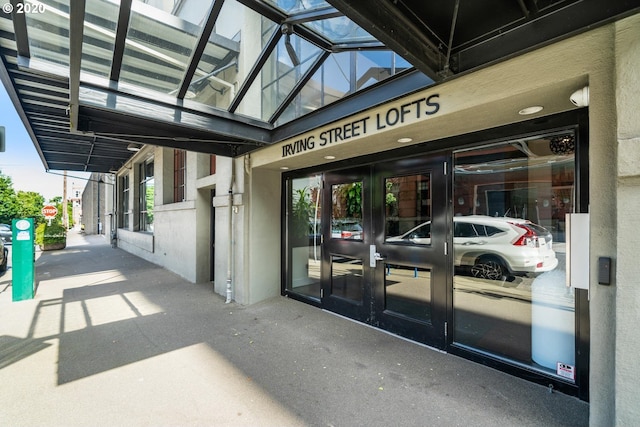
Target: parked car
(4, 254)
(346, 230)
(493, 247)
(5, 233)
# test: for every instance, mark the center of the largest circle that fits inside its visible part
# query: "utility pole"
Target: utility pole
(65, 215)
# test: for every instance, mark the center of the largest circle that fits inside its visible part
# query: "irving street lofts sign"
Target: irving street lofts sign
(413, 110)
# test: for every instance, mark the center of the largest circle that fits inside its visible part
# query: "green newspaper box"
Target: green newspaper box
(22, 260)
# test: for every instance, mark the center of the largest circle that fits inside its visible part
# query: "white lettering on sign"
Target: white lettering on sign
(413, 110)
(49, 211)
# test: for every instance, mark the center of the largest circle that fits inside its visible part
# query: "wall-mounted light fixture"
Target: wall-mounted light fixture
(580, 98)
(133, 147)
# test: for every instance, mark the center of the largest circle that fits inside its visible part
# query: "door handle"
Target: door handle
(374, 256)
(379, 257)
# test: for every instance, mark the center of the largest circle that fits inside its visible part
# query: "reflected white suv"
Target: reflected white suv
(493, 247)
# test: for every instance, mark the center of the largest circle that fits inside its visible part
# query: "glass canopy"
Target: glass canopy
(228, 76)
(271, 61)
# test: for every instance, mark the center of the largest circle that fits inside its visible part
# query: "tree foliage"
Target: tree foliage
(30, 205)
(23, 204)
(8, 203)
(353, 196)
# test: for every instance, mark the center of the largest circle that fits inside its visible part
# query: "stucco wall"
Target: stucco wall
(97, 202)
(175, 238)
(264, 248)
(602, 198)
(627, 306)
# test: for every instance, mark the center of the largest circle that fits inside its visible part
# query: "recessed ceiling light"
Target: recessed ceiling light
(284, 168)
(404, 140)
(530, 110)
(329, 157)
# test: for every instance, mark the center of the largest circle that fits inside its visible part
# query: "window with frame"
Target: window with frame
(125, 201)
(510, 297)
(179, 175)
(146, 196)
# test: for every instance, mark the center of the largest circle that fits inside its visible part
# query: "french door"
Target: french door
(385, 247)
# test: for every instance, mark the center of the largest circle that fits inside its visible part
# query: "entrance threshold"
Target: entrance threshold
(386, 332)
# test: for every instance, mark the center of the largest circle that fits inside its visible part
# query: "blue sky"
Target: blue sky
(21, 161)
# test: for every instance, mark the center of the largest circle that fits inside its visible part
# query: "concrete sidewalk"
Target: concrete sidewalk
(112, 340)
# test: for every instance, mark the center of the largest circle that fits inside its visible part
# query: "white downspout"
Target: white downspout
(230, 236)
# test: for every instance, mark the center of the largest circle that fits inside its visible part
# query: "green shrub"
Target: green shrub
(48, 234)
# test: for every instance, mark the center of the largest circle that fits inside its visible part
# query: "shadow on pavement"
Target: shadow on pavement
(158, 350)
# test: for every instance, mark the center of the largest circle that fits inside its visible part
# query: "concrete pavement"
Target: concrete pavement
(112, 340)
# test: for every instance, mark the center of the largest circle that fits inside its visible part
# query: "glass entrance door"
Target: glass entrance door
(347, 232)
(411, 278)
(384, 250)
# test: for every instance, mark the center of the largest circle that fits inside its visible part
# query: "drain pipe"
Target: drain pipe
(230, 239)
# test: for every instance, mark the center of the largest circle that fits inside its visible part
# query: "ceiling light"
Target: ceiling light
(404, 140)
(284, 168)
(530, 110)
(133, 147)
(329, 157)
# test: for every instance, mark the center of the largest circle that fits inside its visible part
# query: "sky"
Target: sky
(21, 161)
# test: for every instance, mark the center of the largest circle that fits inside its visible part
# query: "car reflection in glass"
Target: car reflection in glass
(5, 233)
(347, 230)
(493, 247)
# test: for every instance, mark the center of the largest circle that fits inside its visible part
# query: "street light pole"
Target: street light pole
(65, 216)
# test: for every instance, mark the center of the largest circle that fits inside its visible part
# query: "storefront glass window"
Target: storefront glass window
(510, 295)
(146, 195)
(125, 201)
(304, 236)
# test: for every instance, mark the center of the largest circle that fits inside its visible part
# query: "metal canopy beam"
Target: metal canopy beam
(298, 87)
(542, 30)
(383, 20)
(145, 130)
(76, 32)
(197, 52)
(313, 15)
(255, 71)
(124, 15)
(20, 29)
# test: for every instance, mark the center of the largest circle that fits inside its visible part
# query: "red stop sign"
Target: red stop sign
(49, 211)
